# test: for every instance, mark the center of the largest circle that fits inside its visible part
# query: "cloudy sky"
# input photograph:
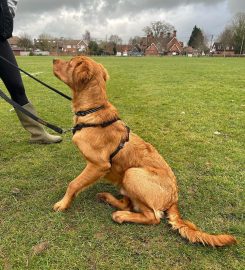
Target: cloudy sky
(126, 18)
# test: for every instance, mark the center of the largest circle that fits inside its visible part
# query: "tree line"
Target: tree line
(232, 36)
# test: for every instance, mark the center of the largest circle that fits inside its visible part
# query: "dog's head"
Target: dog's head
(79, 71)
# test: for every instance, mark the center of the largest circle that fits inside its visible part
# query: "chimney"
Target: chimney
(148, 39)
(174, 33)
(168, 35)
(161, 34)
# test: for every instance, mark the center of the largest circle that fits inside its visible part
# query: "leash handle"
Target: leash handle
(34, 117)
(34, 78)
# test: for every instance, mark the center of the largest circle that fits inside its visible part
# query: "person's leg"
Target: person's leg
(11, 75)
(13, 82)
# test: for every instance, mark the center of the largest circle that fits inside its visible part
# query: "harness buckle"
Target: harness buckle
(121, 145)
(67, 130)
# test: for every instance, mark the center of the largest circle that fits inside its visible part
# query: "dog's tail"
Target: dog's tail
(193, 234)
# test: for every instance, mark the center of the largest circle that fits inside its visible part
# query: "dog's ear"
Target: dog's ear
(104, 73)
(82, 73)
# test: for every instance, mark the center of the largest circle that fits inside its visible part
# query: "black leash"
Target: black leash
(20, 108)
(76, 127)
(34, 117)
(34, 78)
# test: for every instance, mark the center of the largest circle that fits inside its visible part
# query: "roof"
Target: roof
(152, 46)
(189, 49)
(218, 46)
(163, 43)
(124, 47)
(13, 40)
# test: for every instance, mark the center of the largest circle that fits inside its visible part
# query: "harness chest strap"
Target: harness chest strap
(103, 125)
(121, 145)
(87, 125)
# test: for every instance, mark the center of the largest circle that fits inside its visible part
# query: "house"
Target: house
(128, 50)
(152, 50)
(70, 46)
(174, 46)
(46, 44)
(61, 46)
(219, 49)
(13, 42)
(189, 51)
(135, 51)
(124, 49)
(162, 45)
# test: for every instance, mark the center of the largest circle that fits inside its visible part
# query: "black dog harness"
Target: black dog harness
(102, 125)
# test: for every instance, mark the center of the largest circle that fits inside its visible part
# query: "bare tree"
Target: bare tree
(87, 36)
(45, 36)
(45, 42)
(157, 27)
(238, 26)
(226, 38)
(115, 39)
(134, 40)
(25, 41)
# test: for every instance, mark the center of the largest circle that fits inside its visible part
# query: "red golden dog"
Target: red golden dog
(146, 181)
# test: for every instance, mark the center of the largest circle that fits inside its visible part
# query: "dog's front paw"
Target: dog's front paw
(60, 206)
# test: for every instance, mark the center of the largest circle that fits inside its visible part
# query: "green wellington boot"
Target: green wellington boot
(38, 134)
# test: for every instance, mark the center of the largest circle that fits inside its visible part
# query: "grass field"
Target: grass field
(190, 109)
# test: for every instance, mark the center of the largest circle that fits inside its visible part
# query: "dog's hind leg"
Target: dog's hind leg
(146, 217)
(122, 204)
(149, 193)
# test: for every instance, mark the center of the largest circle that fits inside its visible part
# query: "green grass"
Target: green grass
(177, 104)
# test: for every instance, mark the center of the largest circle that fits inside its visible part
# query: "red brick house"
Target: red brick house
(13, 42)
(174, 45)
(152, 50)
(166, 45)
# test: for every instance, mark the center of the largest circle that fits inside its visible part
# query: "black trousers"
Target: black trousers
(11, 76)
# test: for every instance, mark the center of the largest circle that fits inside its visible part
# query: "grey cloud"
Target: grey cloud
(236, 5)
(140, 5)
(71, 17)
(39, 6)
(101, 10)
(108, 6)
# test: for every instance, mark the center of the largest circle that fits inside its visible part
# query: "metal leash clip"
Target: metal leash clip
(64, 131)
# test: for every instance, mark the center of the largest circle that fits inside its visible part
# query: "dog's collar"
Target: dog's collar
(84, 113)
